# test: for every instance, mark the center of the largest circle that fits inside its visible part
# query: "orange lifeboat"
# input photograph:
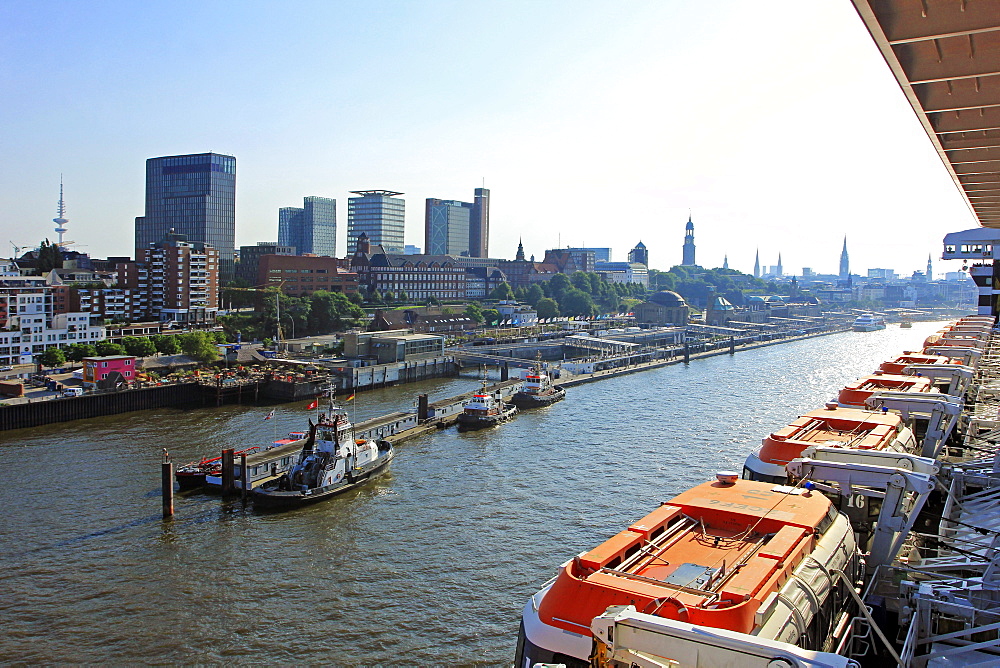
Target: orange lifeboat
(832, 426)
(720, 555)
(854, 394)
(897, 365)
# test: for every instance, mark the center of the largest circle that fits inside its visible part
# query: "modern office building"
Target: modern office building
(250, 258)
(379, 214)
(446, 227)
(312, 229)
(600, 254)
(639, 254)
(195, 196)
(479, 224)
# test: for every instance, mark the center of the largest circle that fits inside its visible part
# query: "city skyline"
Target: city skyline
(576, 143)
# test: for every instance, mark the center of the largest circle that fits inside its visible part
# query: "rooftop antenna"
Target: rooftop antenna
(60, 219)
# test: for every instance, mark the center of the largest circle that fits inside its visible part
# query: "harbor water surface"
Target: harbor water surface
(429, 565)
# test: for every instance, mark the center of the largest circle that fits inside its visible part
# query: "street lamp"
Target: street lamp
(291, 320)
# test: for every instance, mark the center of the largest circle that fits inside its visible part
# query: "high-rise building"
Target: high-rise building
(600, 254)
(447, 227)
(380, 215)
(195, 196)
(845, 264)
(183, 280)
(312, 229)
(688, 252)
(479, 224)
(639, 254)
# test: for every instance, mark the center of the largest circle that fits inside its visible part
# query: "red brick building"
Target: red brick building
(302, 275)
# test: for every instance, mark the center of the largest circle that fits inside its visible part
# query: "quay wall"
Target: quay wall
(39, 413)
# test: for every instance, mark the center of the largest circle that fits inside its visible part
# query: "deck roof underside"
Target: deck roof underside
(945, 54)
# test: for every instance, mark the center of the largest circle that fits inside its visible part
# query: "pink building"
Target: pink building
(96, 369)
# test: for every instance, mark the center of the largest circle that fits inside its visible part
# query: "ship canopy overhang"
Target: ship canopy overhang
(945, 54)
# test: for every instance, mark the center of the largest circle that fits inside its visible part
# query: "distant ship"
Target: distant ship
(869, 322)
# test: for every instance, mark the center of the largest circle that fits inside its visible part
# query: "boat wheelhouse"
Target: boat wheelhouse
(485, 410)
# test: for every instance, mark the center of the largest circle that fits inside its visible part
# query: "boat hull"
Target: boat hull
(268, 498)
(468, 422)
(188, 481)
(525, 400)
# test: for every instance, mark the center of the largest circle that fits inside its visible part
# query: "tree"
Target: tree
(474, 311)
(533, 294)
(547, 308)
(49, 257)
(199, 345)
(75, 352)
(166, 345)
(502, 292)
(558, 285)
(52, 357)
(491, 316)
(578, 302)
(139, 346)
(107, 349)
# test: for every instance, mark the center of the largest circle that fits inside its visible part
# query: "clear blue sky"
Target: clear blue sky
(777, 124)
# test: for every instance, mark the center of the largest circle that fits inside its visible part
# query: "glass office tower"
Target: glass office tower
(446, 227)
(379, 214)
(311, 229)
(479, 224)
(193, 195)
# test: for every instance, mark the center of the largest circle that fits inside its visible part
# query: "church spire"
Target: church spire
(520, 251)
(725, 262)
(780, 271)
(756, 265)
(845, 264)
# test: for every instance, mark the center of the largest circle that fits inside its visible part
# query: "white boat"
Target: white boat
(331, 462)
(868, 322)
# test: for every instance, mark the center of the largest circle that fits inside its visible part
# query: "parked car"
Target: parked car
(6, 368)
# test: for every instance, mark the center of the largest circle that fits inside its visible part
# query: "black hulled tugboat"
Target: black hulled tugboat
(485, 410)
(332, 461)
(538, 390)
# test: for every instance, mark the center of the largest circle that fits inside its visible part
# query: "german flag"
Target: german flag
(349, 397)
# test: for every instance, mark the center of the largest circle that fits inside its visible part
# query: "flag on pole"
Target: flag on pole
(349, 398)
(269, 415)
(313, 404)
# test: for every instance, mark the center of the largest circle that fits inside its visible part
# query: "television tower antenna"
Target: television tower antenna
(60, 219)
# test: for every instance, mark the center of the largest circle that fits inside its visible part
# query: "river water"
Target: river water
(429, 565)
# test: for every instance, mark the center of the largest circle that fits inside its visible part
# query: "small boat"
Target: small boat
(868, 322)
(538, 390)
(331, 462)
(194, 474)
(906, 322)
(485, 410)
(854, 394)
(735, 556)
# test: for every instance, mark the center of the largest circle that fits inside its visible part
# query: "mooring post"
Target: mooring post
(423, 409)
(244, 478)
(227, 471)
(504, 372)
(687, 352)
(732, 345)
(167, 484)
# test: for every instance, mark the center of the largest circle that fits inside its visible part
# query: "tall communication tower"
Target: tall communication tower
(60, 219)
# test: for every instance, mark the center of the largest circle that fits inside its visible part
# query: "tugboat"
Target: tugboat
(332, 461)
(485, 410)
(538, 390)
